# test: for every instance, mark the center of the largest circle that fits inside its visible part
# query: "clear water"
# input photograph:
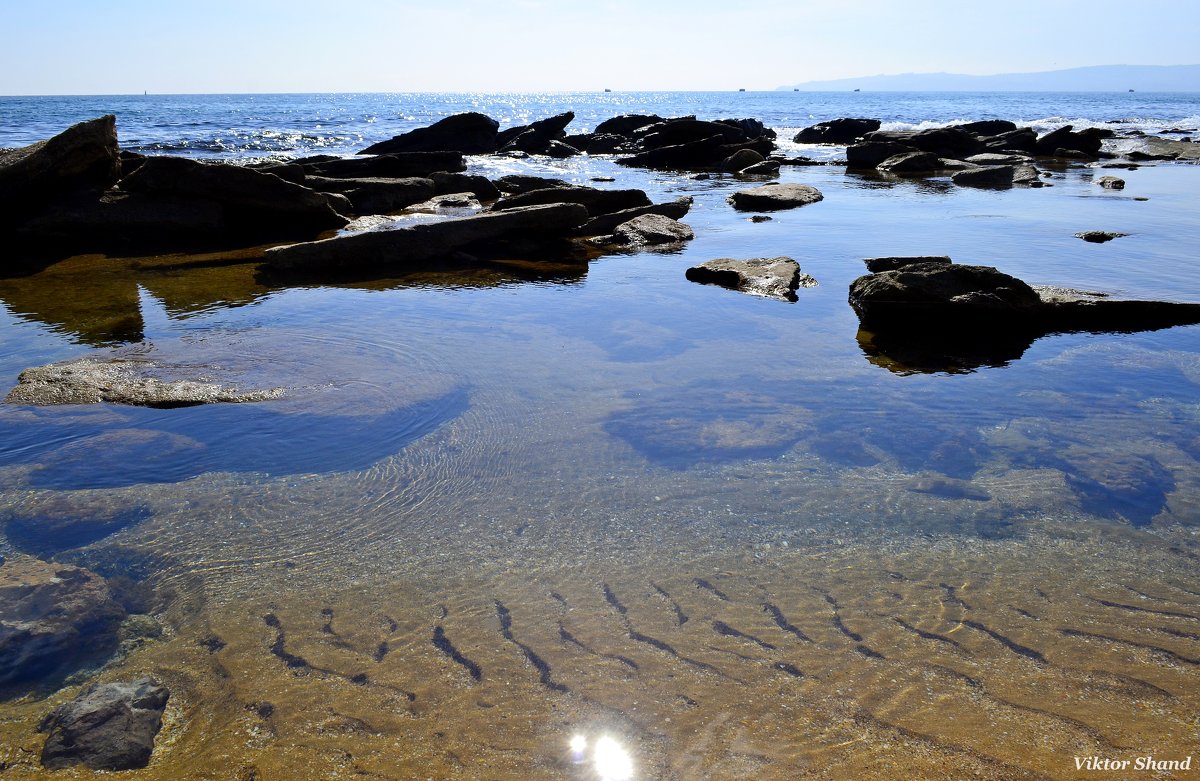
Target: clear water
(550, 443)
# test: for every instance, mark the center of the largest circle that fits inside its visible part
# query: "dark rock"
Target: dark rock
(998, 158)
(252, 203)
(604, 144)
(1086, 143)
(141, 383)
(836, 131)
(423, 243)
(130, 161)
(765, 168)
(696, 154)
(870, 154)
(52, 616)
(743, 158)
(606, 223)
(111, 726)
(515, 184)
(985, 176)
(1020, 140)
(289, 172)
(774, 197)
(651, 230)
(1111, 182)
(595, 200)
(559, 150)
(1109, 483)
(911, 163)
(480, 186)
(1099, 237)
(987, 127)
(684, 131)
(941, 142)
(393, 166)
(766, 277)
(377, 195)
(1027, 176)
(470, 133)
(625, 125)
(750, 127)
(875, 265)
(536, 137)
(84, 157)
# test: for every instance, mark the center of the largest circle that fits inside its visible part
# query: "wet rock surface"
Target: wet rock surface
(775, 197)
(52, 617)
(138, 383)
(111, 726)
(651, 230)
(767, 277)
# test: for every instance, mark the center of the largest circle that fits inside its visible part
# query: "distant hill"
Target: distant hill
(1096, 78)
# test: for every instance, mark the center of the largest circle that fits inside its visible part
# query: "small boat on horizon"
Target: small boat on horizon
(606, 89)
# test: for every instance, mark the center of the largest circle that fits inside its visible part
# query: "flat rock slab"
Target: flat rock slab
(121, 381)
(767, 277)
(774, 197)
(108, 727)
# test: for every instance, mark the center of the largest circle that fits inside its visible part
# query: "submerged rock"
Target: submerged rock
(138, 383)
(51, 616)
(775, 197)
(767, 277)
(111, 726)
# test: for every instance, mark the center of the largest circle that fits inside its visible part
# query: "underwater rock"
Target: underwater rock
(1112, 483)
(139, 383)
(110, 726)
(48, 525)
(775, 197)
(52, 615)
(767, 277)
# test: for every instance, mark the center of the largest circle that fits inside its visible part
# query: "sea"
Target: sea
(553, 519)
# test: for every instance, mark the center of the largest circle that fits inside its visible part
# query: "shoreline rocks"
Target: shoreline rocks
(775, 197)
(767, 277)
(110, 726)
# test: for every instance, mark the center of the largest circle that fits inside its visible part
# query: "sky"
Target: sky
(78, 47)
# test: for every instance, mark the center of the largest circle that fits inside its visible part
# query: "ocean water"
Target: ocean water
(594, 521)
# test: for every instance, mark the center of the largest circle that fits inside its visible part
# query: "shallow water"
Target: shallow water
(984, 571)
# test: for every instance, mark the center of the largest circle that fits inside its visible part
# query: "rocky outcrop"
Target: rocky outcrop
(377, 195)
(51, 617)
(425, 243)
(595, 200)
(766, 277)
(544, 136)
(985, 176)
(606, 223)
(393, 166)
(911, 163)
(481, 187)
(837, 131)
(138, 383)
(111, 726)
(774, 197)
(649, 230)
(743, 158)
(687, 143)
(470, 133)
(1065, 140)
(83, 158)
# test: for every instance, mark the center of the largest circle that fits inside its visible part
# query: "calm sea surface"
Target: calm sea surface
(718, 530)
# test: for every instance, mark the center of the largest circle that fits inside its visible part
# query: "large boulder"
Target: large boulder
(626, 124)
(84, 157)
(1020, 140)
(837, 131)
(870, 154)
(536, 137)
(51, 617)
(470, 133)
(683, 131)
(911, 163)
(985, 176)
(421, 244)
(111, 726)
(1065, 139)
(766, 277)
(945, 142)
(650, 230)
(775, 197)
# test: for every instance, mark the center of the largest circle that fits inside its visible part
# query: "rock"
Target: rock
(470, 133)
(773, 197)
(870, 154)
(1064, 142)
(252, 203)
(651, 230)
(377, 195)
(626, 124)
(695, 154)
(985, 176)
(603, 144)
(940, 142)
(1020, 140)
(536, 137)
(139, 383)
(394, 166)
(767, 277)
(49, 525)
(836, 131)
(110, 726)
(52, 616)
(750, 127)
(765, 168)
(987, 127)
(606, 223)
(683, 131)
(875, 265)
(423, 243)
(743, 158)
(1111, 182)
(596, 201)
(84, 157)
(1099, 237)
(997, 158)
(911, 163)
(515, 184)
(1027, 176)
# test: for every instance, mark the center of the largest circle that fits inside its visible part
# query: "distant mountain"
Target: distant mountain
(1096, 78)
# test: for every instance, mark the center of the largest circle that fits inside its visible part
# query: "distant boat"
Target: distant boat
(795, 89)
(1131, 90)
(858, 90)
(743, 89)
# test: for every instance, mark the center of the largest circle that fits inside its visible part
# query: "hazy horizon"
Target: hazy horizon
(271, 46)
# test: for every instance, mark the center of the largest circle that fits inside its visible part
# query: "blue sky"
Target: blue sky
(127, 46)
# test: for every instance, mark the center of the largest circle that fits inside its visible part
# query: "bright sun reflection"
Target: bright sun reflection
(578, 746)
(613, 762)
